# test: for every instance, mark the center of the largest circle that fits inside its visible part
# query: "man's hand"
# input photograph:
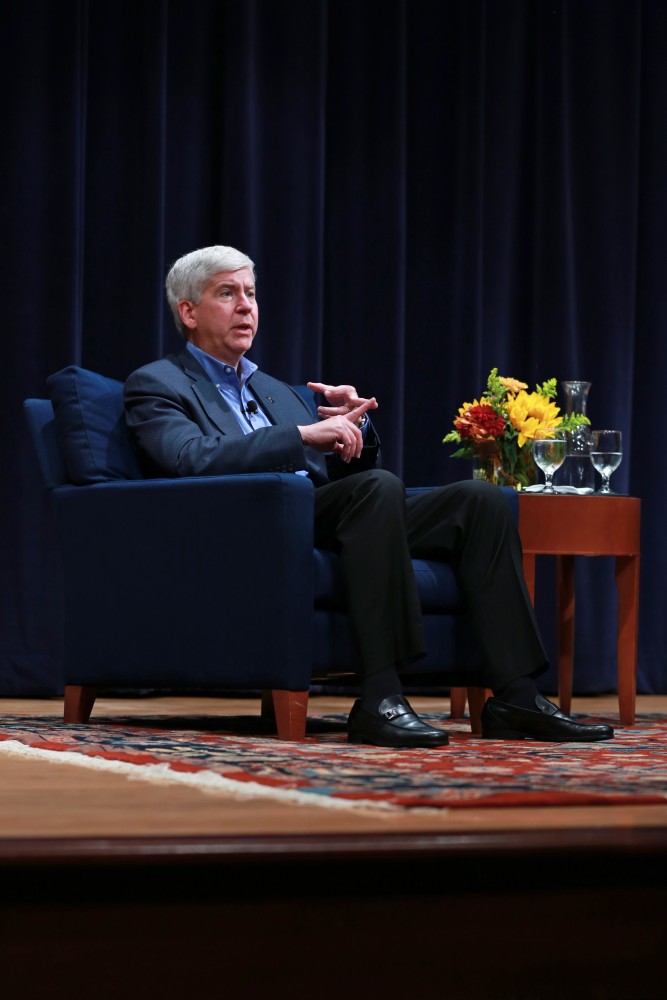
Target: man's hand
(338, 429)
(334, 434)
(343, 400)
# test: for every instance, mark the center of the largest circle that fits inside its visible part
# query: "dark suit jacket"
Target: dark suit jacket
(183, 427)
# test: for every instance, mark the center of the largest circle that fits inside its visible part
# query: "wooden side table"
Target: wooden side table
(569, 525)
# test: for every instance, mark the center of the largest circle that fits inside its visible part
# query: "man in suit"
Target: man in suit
(209, 411)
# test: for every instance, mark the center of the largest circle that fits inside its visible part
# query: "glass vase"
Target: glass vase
(488, 464)
(577, 469)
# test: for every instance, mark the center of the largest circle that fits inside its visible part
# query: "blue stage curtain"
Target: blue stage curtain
(428, 191)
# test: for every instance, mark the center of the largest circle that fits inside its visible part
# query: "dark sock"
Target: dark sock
(378, 686)
(520, 692)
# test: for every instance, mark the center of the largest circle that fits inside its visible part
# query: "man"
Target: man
(208, 411)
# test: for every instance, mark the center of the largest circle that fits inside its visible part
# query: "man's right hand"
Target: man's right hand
(337, 434)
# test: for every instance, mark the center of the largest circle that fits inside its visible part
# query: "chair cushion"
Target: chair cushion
(437, 585)
(90, 426)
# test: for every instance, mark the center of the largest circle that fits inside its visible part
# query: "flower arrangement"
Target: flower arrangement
(497, 430)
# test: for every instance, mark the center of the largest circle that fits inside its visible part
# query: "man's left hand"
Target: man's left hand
(342, 399)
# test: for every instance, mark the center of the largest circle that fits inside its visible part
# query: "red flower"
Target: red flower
(480, 423)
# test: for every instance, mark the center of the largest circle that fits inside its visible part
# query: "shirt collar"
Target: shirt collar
(218, 371)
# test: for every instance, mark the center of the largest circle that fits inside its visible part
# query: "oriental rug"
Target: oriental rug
(232, 755)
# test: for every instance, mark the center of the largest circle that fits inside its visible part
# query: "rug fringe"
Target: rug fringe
(206, 781)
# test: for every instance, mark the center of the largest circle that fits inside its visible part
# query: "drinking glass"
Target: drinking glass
(606, 455)
(549, 452)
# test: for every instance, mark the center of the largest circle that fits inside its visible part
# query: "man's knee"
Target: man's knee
(477, 498)
(384, 487)
(383, 480)
(486, 492)
(487, 497)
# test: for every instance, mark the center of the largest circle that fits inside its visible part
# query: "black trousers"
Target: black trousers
(368, 521)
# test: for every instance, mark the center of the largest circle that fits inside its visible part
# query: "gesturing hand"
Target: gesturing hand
(338, 428)
(343, 400)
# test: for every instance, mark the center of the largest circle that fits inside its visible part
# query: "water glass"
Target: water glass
(549, 452)
(606, 455)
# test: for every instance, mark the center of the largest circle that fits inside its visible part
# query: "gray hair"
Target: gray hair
(190, 275)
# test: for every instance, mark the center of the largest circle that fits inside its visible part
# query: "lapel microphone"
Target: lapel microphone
(252, 407)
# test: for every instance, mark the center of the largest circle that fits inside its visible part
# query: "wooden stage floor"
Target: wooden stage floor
(45, 800)
(152, 889)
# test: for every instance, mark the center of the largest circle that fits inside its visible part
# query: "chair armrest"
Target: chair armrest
(198, 556)
(512, 497)
(242, 521)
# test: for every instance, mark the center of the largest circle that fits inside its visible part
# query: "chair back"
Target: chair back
(42, 428)
(80, 435)
(308, 396)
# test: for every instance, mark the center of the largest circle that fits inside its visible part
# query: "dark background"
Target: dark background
(426, 193)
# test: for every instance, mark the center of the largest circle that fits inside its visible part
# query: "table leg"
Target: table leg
(457, 702)
(627, 585)
(565, 579)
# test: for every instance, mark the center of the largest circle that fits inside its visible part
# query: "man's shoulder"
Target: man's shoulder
(165, 369)
(262, 378)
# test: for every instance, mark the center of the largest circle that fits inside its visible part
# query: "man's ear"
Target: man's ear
(186, 310)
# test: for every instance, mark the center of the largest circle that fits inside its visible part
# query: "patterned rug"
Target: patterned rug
(233, 755)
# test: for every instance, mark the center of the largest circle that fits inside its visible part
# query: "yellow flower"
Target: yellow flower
(531, 412)
(512, 384)
(468, 406)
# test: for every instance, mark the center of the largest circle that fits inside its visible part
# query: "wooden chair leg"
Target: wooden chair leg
(79, 702)
(457, 702)
(290, 709)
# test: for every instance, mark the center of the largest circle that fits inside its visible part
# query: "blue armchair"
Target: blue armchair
(155, 597)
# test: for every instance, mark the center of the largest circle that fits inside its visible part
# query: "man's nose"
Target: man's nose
(244, 303)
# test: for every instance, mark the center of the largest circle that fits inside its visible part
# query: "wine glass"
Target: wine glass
(549, 452)
(606, 455)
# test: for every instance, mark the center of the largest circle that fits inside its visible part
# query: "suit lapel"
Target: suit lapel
(209, 398)
(278, 401)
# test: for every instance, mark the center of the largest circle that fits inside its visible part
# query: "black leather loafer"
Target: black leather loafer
(501, 721)
(393, 725)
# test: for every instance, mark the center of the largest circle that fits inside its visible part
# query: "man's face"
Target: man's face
(224, 322)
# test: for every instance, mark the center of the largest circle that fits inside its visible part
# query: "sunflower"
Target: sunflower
(531, 412)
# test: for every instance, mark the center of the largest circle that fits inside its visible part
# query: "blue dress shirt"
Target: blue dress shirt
(233, 387)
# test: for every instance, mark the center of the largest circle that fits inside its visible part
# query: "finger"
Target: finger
(349, 443)
(332, 411)
(357, 442)
(364, 405)
(343, 448)
(339, 395)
